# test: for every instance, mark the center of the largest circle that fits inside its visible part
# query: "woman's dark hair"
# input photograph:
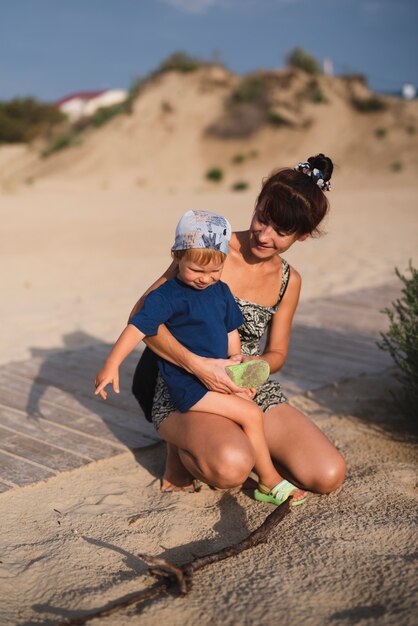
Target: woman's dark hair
(292, 200)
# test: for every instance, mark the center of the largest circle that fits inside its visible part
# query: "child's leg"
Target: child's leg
(249, 416)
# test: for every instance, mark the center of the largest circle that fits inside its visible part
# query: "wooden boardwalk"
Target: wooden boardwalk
(51, 422)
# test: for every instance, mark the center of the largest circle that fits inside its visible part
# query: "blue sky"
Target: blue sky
(49, 48)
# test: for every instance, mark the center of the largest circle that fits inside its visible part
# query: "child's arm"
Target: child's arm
(128, 340)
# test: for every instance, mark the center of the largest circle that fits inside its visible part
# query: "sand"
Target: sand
(347, 558)
(81, 239)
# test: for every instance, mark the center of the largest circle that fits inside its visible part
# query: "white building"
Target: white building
(409, 91)
(86, 103)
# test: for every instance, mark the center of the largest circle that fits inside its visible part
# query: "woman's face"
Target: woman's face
(266, 240)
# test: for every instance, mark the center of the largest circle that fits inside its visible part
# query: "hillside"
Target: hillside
(166, 143)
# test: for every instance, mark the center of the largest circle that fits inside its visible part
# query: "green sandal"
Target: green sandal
(249, 375)
(278, 494)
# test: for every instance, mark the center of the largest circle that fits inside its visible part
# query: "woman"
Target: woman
(211, 448)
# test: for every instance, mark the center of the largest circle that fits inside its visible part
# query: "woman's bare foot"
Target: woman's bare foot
(176, 477)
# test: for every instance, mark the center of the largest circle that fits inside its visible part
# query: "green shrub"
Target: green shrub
(240, 158)
(252, 89)
(275, 118)
(401, 340)
(397, 166)
(23, 119)
(240, 186)
(136, 86)
(215, 174)
(104, 114)
(316, 95)
(246, 108)
(62, 141)
(372, 104)
(179, 62)
(302, 60)
(380, 133)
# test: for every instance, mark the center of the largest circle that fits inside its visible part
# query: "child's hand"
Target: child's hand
(108, 374)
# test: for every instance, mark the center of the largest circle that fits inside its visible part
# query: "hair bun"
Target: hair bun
(323, 163)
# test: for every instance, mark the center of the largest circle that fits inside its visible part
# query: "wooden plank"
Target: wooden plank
(21, 393)
(38, 390)
(41, 453)
(70, 381)
(350, 359)
(291, 387)
(84, 423)
(310, 374)
(65, 438)
(314, 366)
(117, 435)
(343, 354)
(17, 471)
(358, 362)
(93, 359)
(337, 316)
(319, 337)
(372, 297)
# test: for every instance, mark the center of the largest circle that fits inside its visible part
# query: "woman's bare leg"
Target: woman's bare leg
(250, 417)
(212, 448)
(217, 451)
(303, 453)
(176, 477)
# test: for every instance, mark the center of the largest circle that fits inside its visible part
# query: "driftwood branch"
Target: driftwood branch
(169, 574)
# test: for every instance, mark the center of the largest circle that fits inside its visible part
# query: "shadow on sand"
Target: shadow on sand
(232, 516)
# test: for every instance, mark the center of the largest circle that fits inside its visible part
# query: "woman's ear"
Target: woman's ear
(303, 237)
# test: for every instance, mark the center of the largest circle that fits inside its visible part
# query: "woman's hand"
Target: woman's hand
(109, 374)
(212, 373)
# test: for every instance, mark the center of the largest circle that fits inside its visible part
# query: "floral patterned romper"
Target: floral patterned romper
(256, 320)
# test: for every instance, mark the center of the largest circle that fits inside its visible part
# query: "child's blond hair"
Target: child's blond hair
(200, 256)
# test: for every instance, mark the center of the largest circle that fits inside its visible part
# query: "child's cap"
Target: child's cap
(201, 229)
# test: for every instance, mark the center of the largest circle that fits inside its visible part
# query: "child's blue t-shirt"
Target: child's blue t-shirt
(200, 320)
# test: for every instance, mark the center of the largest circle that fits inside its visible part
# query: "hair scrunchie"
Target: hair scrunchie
(316, 175)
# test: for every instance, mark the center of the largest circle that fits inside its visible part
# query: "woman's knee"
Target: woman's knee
(230, 466)
(331, 476)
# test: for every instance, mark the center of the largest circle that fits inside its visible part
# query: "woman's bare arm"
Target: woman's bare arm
(281, 325)
(278, 336)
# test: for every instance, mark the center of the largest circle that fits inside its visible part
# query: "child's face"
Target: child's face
(199, 276)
